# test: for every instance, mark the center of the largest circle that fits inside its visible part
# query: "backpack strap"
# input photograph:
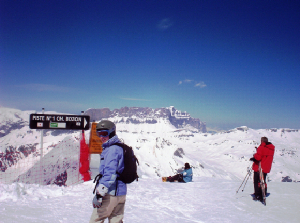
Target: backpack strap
(119, 144)
(97, 178)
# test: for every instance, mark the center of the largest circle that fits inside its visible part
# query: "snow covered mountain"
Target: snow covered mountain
(161, 144)
(138, 115)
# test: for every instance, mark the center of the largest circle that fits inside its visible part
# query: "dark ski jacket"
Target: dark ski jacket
(264, 154)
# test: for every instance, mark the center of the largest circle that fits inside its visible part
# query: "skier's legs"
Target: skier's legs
(180, 179)
(265, 177)
(109, 203)
(94, 217)
(173, 178)
(118, 212)
(257, 188)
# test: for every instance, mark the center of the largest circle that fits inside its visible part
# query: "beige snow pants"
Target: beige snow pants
(112, 208)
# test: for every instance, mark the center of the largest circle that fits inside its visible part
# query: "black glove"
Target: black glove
(97, 201)
(253, 159)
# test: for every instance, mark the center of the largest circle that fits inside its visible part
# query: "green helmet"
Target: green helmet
(107, 125)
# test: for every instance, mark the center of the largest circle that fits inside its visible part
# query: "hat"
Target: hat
(264, 139)
(187, 166)
(107, 125)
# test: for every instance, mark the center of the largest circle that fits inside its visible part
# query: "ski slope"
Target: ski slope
(206, 199)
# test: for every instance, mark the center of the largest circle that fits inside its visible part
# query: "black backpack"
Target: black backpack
(129, 173)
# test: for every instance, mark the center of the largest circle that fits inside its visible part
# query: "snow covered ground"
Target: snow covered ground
(206, 199)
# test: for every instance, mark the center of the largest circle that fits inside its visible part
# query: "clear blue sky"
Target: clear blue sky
(228, 63)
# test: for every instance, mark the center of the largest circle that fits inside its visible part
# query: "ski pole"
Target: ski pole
(248, 173)
(242, 182)
(246, 180)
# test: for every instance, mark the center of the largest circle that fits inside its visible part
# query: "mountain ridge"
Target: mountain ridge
(137, 115)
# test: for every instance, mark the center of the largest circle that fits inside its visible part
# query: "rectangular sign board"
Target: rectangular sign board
(95, 144)
(57, 121)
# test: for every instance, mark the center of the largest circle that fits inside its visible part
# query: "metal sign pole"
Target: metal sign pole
(42, 134)
(42, 153)
(79, 164)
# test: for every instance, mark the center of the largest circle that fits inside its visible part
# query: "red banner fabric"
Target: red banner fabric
(84, 159)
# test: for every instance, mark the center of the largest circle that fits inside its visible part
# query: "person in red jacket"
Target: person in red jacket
(264, 154)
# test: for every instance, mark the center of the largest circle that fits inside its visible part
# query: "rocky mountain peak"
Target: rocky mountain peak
(137, 115)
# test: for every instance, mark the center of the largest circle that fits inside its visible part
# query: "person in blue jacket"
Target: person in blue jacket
(109, 201)
(184, 177)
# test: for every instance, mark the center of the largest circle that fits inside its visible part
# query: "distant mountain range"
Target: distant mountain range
(163, 140)
(137, 115)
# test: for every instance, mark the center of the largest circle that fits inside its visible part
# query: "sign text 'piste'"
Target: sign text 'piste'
(56, 121)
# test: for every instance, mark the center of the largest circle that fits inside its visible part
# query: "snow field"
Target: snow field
(150, 200)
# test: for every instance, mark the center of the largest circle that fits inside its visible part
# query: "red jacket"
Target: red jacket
(265, 154)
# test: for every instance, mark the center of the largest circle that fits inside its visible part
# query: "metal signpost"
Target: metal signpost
(57, 121)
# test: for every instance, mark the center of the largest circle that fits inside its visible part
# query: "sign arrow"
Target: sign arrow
(85, 122)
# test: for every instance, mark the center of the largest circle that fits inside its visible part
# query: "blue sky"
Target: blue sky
(228, 63)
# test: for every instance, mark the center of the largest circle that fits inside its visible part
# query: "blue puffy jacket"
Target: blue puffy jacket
(187, 175)
(112, 161)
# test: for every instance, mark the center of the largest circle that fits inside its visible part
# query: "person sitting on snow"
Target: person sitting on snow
(184, 177)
